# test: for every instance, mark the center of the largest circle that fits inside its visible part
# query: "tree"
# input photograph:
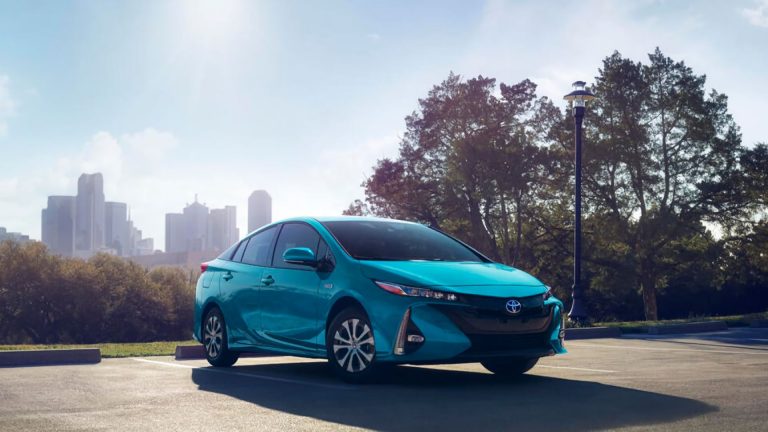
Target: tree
(48, 299)
(453, 169)
(664, 149)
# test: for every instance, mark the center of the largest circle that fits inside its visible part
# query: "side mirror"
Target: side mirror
(300, 256)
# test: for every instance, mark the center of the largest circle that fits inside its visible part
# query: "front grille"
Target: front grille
(491, 329)
(495, 343)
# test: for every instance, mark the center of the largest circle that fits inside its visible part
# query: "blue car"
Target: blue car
(366, 293)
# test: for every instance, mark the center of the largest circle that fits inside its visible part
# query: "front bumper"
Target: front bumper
(478, 329)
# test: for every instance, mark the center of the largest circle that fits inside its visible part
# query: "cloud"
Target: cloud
(757, 16)
(7, 104)
(375, 37)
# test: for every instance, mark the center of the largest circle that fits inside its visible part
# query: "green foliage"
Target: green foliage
(48, 299)
(663, 162)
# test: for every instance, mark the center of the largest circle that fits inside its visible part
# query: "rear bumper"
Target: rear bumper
(473, 332)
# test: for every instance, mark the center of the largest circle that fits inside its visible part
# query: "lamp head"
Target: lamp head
(580, 95)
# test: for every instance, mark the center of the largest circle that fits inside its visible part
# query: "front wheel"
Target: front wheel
(509, 367)
(215, 340)
(351, 346)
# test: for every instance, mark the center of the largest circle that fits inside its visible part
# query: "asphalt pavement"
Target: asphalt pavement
(703, 382)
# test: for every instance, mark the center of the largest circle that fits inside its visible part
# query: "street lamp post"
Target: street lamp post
(578, 97)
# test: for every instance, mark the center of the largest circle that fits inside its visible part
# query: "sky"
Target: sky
(169, 99)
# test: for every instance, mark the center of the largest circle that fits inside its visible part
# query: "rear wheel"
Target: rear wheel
(215, 340)
(509, 367)
(351, 346)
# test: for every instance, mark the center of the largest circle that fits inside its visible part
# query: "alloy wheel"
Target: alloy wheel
(213, 336)
(353, 345)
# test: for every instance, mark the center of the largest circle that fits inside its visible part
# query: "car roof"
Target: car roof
(323, 219)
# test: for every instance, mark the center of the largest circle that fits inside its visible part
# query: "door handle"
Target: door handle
(268, 280)
(228, 276)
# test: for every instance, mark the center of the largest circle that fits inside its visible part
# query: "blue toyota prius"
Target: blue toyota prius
(366, 293)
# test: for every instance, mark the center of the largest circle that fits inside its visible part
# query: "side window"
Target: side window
(239, 254)
(227, 254)
(257, 251)
(294, 235)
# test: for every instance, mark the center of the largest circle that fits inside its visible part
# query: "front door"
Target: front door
(289, 294)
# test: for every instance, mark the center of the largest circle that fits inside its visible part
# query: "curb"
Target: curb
(759, 324)
(699, 327)
(50, 357)
(197, 352)
(592, 333)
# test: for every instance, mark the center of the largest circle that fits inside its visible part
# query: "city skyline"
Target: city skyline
(86, 223)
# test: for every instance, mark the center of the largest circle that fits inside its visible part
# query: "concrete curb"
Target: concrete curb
(759, 324)
(50, 357)
(196, 352)
(699, 327)
(592, 333)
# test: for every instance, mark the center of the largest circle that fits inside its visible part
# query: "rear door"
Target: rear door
(289, 314)
(240, 287)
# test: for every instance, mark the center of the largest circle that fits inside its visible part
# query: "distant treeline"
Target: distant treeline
(674, 204)
(46, 299)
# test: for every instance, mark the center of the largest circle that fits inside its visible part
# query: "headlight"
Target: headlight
(404, 290)
(548, 293)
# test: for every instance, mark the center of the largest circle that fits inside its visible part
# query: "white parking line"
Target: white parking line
(249, 375)
(668, 349)
(576, 368)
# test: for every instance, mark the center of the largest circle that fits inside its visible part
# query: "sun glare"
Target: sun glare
(212, 21)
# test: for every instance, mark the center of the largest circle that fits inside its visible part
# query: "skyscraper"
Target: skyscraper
(196, 226)
(116, 232)
(222, 228)
(259, 210)
(58, 225)
(89, 215)
(175, 238)
(197, 229)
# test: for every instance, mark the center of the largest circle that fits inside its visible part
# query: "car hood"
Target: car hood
(486, 279)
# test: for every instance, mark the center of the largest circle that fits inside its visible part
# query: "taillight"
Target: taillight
(203, 267)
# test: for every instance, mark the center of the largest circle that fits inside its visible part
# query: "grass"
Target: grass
(114, 350)
(642, 326)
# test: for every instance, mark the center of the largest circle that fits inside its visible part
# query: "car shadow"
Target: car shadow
(415, 398)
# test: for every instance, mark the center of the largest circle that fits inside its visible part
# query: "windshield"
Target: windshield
(398, 241)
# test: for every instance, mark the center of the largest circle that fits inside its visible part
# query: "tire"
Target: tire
(214, 334)
(351, 347)
(509, 367)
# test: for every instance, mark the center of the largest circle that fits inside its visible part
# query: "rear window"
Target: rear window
(398, 241)
(227, 254)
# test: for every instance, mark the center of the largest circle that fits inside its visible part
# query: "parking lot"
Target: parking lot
(713, 381)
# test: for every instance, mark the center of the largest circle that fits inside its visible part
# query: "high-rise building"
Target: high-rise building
(58, 225)
(222, 228)
(198, 229)
(196, 226)
(259, 210)
(175, 238)
(89, 215)
(116, 232)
